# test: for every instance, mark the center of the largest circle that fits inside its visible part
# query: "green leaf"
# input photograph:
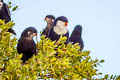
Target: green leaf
(106, 76)
(14, 8)
(101, 61)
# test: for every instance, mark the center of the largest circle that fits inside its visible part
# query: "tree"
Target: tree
(71, 63)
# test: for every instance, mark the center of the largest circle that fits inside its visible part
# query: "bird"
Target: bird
(26, 44)
(76, 36)
(59, 28)
(49, 20)
(5, 15)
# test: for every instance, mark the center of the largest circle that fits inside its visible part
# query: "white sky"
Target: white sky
(99, 18)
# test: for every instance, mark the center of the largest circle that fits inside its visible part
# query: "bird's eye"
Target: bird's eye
(29, 32)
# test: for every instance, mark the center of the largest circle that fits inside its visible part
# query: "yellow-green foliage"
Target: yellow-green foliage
(69, 64)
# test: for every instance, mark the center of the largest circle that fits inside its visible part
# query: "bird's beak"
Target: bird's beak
(34, 34)
(66, 24)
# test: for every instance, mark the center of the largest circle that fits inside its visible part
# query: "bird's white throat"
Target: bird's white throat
(60, 28)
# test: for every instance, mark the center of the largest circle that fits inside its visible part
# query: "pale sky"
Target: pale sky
(99, 18)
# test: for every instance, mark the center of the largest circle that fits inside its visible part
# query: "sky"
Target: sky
(99, 19)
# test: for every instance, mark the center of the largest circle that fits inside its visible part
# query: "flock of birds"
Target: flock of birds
(54, 29)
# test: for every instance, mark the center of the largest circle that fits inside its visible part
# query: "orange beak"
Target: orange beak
(66, 24)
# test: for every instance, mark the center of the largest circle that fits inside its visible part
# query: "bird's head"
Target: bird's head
(29, 33)
(78, 29)
(60, 25)
(49, 19)
(61, 22)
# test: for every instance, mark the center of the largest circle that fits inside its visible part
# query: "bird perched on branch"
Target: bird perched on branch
(59, 28)
(76, 36)
(49, 20)
(5, 14)
(26, 44)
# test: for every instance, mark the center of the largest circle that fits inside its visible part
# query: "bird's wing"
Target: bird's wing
(26, 46)
(50, 33)
(32, 47)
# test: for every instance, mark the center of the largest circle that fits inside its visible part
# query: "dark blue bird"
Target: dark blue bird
(49, 20)
(59, 28)
(5, 14)
(76, 36)
(26, 44)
